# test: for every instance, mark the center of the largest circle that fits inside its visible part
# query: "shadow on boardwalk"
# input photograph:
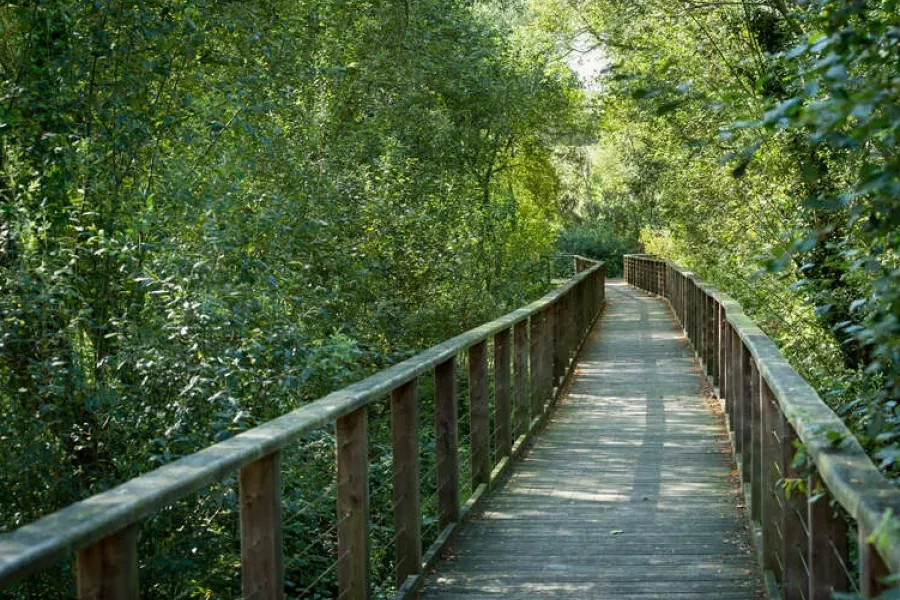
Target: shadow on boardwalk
(628, 493)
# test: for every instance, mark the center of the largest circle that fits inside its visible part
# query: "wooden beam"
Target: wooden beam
(353, 504)
(447, 444)
(479, 416)
(407, 514)
(502, 420)
(262, 552)
(108, 570)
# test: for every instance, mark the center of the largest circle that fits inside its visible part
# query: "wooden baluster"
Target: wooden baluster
(108, 569)
(407, 515)
(713, 358)
(793, 583)
(262, 551)
(502, 433)
(479, 417)
(871, 566)
(770, 510)
(755, 441)
(722, 348)
(547, 330)
(560, 351)
(520, 383)
(447, 443)
(534, 358)
(353, 504)
(827, 546)
(734, 388)
(745, 395)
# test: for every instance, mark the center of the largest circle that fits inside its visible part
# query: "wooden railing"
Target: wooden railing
(806, 516)
(534, 350)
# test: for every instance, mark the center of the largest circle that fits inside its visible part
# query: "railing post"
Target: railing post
(745, 396)
(262, 551)
(547, 330)
(353, 504)
(407, 522)
(502, 433)
(520, 383)
(108, 569)
(737, 406)
(479, 417)
(536, 363)
(713, 359)
(560, 350)
(447, 443)
(871, 566)
(793, 585)
(722, 349)
(827, 546)
(752, 386)
(771, 456)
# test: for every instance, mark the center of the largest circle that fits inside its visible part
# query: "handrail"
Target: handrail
(103, 525)
(769, 405)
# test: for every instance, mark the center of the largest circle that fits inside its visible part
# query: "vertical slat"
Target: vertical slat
(479, 417)
(535, 364)
(746, 415)
(871, 566)
(520, 383)
(502, 433)
(353, 504)
(262, 552)
(793, 583)
(407, 517)
(827, 546)
(771, 454)
(108, 569)
(447, 443)
(755, 442)
(548, 346)
(721, 348)
(560, 352)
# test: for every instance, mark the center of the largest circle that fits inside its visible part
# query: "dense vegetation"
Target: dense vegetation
(759, 140)
(214, 212)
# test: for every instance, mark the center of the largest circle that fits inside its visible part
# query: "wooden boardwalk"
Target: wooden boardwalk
(630, 492)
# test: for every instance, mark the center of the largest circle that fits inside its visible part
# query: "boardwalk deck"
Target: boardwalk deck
(628, 493)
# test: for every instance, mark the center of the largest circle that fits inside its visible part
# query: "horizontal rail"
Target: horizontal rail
(769, 405)
(556, 325)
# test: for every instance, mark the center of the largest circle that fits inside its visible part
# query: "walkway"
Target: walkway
(628, 493)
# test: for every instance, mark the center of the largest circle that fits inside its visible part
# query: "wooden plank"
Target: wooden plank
(446, 416)
(262, 551)
(407, 514)
(755, 462)
(352, 440)
(108, 570)
(502, 413)
(745, 393)
(872, 569)
(535, 359)
(827, 546)
(522, 402)
(770, 510)
(793, 537)
(479, 416)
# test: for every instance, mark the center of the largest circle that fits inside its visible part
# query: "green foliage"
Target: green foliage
(763, 138)
(597, 240)
(212, 213)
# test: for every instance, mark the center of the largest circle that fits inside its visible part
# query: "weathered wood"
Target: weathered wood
(755, 459)
(479, 416)
(793, 538)
(827, 546)
(502, 420)
(872, 569)
(745, 394)
(352, 440)
(262, 551)
(407, 514)
(108, 570)
(520, 373)
(536, 363)
(721, 348)
(547, 331)
(770, 509)
(625, 494)
(446, 416)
